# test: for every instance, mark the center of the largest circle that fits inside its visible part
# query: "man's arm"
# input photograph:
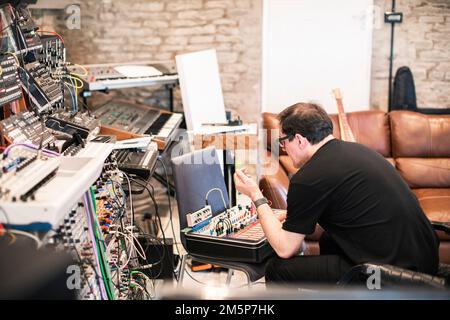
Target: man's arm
(285, 243)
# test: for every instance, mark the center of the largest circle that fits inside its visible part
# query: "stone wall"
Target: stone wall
(422, 42)
(121, 31)
(141, 30)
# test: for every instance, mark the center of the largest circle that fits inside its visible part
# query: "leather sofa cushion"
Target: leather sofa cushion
(436, 205)
(444, 252)
(312, 248)
(336, 130)
(425, 172)
(435, 202)
(371, 128)
(418, 135)
(315, 236)
(274, 182)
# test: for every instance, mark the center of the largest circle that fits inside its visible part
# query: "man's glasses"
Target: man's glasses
(283, 139)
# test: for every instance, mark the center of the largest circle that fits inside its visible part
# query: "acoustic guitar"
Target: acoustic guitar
(346, 131)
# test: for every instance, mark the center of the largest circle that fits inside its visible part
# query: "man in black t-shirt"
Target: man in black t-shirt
(368, 212)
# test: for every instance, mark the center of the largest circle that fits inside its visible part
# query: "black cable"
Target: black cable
(147, 183)
(154, 239)
(161, 255)
(170, 203)
(159, 221)
(134, 191)
(230, 225)
(155, 204)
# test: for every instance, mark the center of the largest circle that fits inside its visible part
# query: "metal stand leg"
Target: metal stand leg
(169, 88)
(181, 272)
(228, 172)
(229, 275)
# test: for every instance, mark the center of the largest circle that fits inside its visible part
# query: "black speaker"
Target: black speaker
(159, 263)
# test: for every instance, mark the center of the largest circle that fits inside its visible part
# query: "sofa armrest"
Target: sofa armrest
(274, 182)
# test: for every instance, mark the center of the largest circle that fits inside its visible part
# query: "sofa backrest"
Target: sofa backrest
(371, 128)
(419, 143)
(420, 136)
(421, 147)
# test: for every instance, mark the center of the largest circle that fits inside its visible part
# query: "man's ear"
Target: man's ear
(302, 141)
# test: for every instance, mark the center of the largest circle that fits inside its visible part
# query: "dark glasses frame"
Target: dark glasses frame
(283, 139)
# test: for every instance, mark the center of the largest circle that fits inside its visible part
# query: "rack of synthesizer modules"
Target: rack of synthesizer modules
(61, 181)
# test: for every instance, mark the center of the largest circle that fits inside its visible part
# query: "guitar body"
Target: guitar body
(346, 131)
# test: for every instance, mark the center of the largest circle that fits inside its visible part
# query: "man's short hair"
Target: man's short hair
(308, 119)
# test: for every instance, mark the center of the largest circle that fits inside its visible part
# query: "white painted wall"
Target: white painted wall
(313, 46)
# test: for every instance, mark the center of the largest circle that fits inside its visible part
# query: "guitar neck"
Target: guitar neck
(346, 131)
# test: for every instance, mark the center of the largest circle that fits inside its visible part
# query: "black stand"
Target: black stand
(228, 172)
(85, 94)
(392, 18)
(169, 88)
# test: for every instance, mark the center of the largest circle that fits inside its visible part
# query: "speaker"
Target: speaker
(159, 263)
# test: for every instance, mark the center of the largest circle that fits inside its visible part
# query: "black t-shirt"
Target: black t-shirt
(365, 206)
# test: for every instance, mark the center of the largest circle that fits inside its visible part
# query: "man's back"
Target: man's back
(364, 205)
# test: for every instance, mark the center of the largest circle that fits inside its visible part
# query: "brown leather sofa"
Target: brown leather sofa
(417, 145)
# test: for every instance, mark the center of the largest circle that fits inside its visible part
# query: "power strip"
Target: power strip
(198, 216)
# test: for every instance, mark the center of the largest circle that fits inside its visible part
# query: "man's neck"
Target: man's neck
(313, 149)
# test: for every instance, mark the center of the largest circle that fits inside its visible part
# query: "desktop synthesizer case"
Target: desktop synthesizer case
(227, 248)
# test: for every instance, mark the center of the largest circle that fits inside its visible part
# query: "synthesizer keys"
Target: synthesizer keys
(140, 120)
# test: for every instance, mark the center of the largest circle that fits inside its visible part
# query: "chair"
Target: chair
(194, 175)
(393, 276)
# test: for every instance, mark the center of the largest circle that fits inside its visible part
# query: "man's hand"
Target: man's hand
(280, 214)
(246, 185)
(285, 243)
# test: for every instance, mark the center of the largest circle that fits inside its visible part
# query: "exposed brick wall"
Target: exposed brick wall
(422, 42)
(123, 30)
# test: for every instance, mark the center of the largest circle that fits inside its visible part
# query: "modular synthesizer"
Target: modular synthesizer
(43, 91)
(9, 80)
(61, 182)
(234, 234)
(26, 127)
(69, 122)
